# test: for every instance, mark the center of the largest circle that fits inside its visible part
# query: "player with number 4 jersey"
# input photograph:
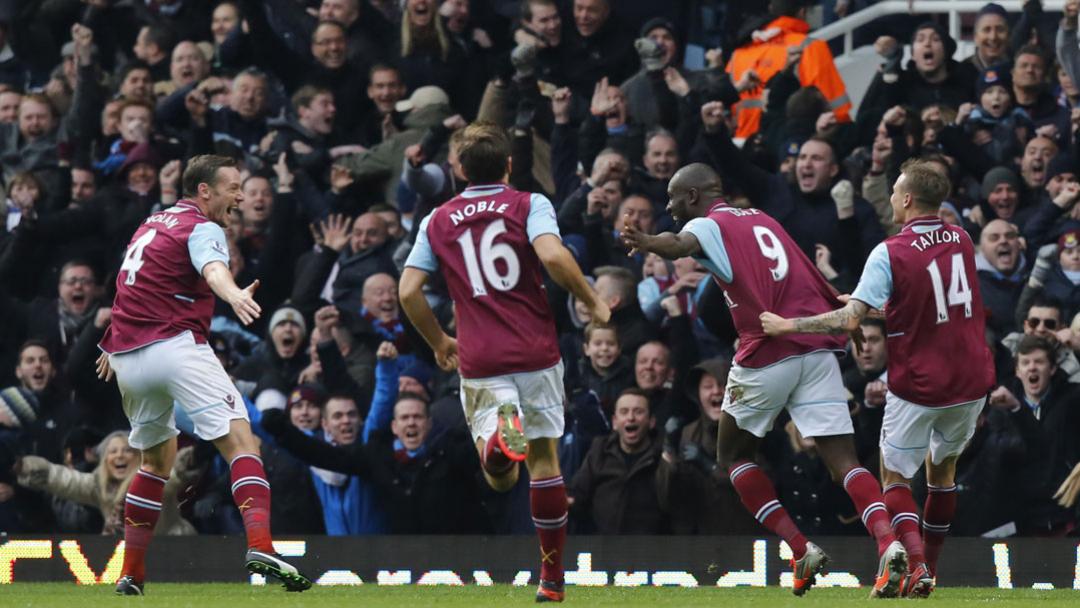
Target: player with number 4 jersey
(156, 346)
(492, 244)
(761, 268)
(940, 368)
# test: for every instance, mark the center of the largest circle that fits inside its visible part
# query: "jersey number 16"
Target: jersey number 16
(483, 266)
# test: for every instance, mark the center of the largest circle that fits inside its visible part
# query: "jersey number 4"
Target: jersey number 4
(133, 259)
(959, 292)
(482, 266)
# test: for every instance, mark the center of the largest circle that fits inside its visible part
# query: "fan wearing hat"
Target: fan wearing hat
(658, 48)
(995, 125)
(991, 37)
(1061, 170)
(1062, 282)
(380, 167)
(1001, 191)
(278, 363)
(305, 406)
(932, 76)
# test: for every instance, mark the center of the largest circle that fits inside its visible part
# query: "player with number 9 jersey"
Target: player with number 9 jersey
(761, 269)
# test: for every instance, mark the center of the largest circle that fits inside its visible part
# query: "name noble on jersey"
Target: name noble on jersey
(473, 208)
(935, 237)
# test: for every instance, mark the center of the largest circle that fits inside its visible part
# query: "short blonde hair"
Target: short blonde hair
(925, 183)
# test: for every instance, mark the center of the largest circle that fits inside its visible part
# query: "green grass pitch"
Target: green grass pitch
(213, 595)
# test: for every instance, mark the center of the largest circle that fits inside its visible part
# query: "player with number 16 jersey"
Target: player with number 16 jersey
(491, 243)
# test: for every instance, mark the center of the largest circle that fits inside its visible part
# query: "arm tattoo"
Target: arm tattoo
(837, 321)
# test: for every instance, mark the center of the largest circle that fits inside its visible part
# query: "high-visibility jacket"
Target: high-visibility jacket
(766, 55)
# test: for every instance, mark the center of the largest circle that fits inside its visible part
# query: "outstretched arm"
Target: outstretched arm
(564, 270)
(668, 245)
(841, 321)
(242, 301)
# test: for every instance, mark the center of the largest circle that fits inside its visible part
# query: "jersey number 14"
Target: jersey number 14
(482, 266)
(959, 293)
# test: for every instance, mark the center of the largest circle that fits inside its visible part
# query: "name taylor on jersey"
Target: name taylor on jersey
(935, 237)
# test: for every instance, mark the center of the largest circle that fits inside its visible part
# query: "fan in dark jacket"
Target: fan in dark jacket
(697, 492)
(1039, 405)
(617, 489)
(425, 485)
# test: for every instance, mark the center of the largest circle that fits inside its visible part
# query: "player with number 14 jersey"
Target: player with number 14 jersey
(939, 365)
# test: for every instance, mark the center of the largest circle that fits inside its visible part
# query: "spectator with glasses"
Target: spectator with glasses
(1044, 319)
(55, 321)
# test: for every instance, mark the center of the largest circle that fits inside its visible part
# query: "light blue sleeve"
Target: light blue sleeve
(382, 402)
(422, 256)
(541, 218)
(206, 244)
(715, 258)
(648, 293)
(875, 286)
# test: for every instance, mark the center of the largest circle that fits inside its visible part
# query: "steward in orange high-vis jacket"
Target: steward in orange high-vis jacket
(767, 53)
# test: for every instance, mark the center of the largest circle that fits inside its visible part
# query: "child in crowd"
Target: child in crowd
(995, 125)
(604, 370)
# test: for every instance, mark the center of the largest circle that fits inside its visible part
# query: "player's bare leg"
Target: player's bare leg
(547, 498)
(142, 507)
(838, 453)
(251, 492)
(737, 450)
(905, 523)
(939, 509)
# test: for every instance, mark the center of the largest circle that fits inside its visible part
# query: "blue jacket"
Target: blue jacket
(351, 508)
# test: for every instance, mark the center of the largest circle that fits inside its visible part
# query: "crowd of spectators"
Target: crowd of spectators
(345, 115)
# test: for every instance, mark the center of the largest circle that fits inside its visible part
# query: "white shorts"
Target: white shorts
(151, 378)
(539, 397)
(909, 430)
(809, 386)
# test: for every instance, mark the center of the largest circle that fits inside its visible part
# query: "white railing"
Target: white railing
(954, 8)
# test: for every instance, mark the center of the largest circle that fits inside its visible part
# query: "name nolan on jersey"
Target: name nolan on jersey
(473, 208)
(169, 219)
(935, 237)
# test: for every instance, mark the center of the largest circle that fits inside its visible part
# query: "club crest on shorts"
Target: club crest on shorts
(735, 393)
(230, 402)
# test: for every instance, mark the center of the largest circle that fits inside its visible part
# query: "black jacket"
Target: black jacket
(269, 371)
(1051, 443)
(433, 493)
(698, 493)
(619, 493)
(609, 52)
(619, 377)
(809, 218)
(354, 269)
